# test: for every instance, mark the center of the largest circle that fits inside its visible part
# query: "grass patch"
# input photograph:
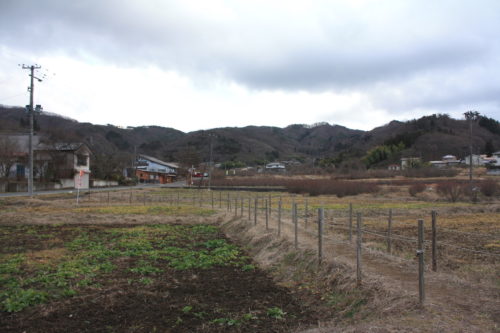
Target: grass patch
(91, 256)
(149, 210)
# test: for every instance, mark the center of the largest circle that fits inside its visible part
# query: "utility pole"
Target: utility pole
(31, 111)
(471, 116)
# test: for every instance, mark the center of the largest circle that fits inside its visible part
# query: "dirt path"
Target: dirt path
(451, 304)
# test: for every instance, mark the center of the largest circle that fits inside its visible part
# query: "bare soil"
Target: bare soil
(221, 299)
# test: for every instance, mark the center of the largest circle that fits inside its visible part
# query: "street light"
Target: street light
(471, 116)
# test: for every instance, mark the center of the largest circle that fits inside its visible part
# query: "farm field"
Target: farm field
(162, 260)
(60, 278)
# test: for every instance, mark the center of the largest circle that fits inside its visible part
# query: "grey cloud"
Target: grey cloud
(335, 48)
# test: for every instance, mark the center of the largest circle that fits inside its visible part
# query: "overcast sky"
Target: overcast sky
(203, 64)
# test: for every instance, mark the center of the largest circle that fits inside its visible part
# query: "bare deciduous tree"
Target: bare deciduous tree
(9, 155)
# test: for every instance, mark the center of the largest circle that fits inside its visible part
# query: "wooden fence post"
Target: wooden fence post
(359, 241)
(389, 232)
(249, 208)
(267, 214)
(296, 226)
(220, 199)
(108, 197)
(420, 254)
(279, 217)
(270, 205)
(255, 211)
(434, 241)
(306, 211)
(130, 198)
(320, 235)
(235, 207)
(350, 222)
(228, 202)
(212, 197)
(241, 213)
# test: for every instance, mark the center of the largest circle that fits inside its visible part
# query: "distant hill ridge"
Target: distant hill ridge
(429, 137)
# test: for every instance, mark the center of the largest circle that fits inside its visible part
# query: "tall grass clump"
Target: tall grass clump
(416, 188)
(451, 190)
(488, 187)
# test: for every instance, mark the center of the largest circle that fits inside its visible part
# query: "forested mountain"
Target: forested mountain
(429, 137)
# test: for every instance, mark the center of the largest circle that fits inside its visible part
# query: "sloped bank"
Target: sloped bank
(331, 287)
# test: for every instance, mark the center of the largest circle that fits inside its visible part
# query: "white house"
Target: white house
(275, 166)
(479, 160)
(446, 161)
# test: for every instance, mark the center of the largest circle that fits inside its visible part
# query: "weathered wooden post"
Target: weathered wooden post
(434, 241)
(320, 235)
(359, 241)
(228, 202)
(236, 201)
(279, 217)
(350, 222)
(255, 211)
(249, 208)
(267, 214)
(306, 212)
(296, 225)
(130, 198)
(108, 197)
(420, 255)
(389, 232)
(212, 197)
(270, 203)
(241, 213)
(220, 199)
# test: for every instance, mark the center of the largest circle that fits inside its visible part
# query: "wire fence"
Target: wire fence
(389, 231)
(384, 227)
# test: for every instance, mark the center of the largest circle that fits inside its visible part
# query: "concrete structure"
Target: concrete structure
(409, 162)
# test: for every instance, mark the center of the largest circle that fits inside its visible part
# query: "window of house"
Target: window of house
(81, 160)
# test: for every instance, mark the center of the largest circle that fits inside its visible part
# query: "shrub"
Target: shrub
(340, 188)
(488, 187)
(452, 190)
(416, 188)
(428, 172)
(314, 187)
